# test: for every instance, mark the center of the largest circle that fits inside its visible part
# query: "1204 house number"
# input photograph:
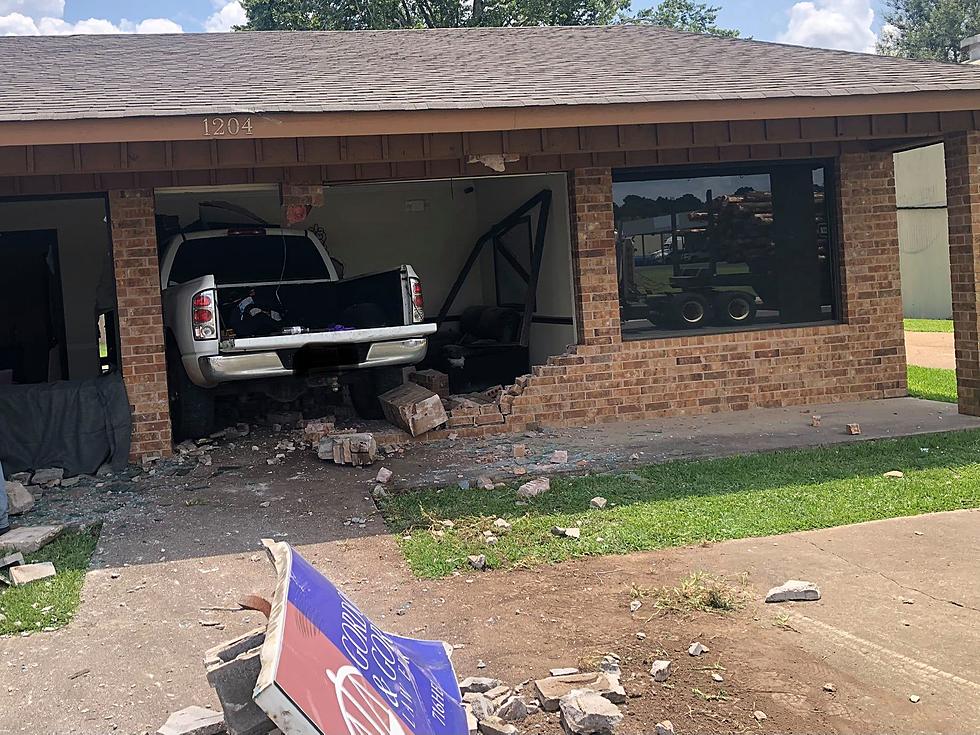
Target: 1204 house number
(218, 127)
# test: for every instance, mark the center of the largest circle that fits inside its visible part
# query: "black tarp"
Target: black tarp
(74, 424)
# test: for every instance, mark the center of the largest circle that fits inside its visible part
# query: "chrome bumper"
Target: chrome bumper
(256, 365)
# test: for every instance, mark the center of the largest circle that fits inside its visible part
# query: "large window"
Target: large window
(721, 249)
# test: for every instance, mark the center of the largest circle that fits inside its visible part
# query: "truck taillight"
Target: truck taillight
(418, 303)
(203, 317)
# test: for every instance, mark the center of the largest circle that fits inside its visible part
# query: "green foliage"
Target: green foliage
(929, 29)
(929, 325)
(685, 15)
(681, 503)
(933, 384)
(347, 15)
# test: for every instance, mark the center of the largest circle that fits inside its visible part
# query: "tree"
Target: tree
(929, 29)
(347, 15)
(684, 15)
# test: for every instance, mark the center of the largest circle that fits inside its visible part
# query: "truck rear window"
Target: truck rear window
(248, 259)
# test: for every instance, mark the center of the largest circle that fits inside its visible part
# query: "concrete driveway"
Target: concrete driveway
(930, 349)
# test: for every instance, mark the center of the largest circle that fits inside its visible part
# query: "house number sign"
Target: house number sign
(221, 127)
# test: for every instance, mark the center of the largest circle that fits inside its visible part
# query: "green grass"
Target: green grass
(689, 502)
(49, 603)
(928, 325)
(934, 384)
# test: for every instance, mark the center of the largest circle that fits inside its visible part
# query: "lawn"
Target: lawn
(689, 502)
(934, 384)
(928, 325)
(51, 603)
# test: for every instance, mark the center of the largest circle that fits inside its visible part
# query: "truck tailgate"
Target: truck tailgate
(345, 337)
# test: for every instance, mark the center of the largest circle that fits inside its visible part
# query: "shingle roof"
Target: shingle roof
(73, 77)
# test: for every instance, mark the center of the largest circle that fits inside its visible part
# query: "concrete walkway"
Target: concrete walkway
(930, 349)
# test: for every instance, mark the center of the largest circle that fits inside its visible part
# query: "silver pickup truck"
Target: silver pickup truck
(266, 305)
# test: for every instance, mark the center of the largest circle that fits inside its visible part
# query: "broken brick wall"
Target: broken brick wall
(141, 339)
(605, 379)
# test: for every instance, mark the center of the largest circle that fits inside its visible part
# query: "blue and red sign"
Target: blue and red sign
(326, 668)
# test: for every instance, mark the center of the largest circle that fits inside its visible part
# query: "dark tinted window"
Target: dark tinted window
(248, 259)
(724, 249)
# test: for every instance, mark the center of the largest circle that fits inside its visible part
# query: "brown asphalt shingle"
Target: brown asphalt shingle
(128, 76)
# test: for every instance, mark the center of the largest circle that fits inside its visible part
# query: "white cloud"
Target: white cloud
(837, 24)
(226, 16)
(46, 18)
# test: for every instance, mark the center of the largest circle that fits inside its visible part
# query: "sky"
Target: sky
(842, 24)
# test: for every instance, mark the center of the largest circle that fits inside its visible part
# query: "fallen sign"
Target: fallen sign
(328, 670)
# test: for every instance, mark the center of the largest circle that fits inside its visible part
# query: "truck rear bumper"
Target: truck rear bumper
(256, 365)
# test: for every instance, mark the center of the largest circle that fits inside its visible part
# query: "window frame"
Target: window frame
(736, 168)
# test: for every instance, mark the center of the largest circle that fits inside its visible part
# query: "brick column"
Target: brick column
(143, 355)
(596, 292)
(963, 200)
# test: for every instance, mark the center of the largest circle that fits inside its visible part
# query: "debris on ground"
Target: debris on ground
(534, 488)
(11, 560)
(519, 451)
(564, 671)
(609, 664)
(853, 429)
(384, 475)
(477, 561)
(635, 605)
(194, 721)
(19, 498)
(828, 687)
(598, 503)
(413, 408)
(895, 474)
(660, 671)
(552, 689)
(794, 590)
(572, 533)
(484, 483)
(760, 715)
(718, 678)
(22, 574)
(434, 380)
(815, 421)
(914, 699)
(477, 684)
(559, 456)
(697, 649)
(584, 712)
(28, 539)
(48, 477)
(232, 668)
(664, 728)
(353, 449)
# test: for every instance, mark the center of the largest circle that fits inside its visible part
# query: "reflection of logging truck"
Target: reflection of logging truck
(735, 229)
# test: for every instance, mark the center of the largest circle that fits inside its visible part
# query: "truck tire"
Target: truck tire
(365, 387)
(191, 407)
(733, 308)
(690, 310)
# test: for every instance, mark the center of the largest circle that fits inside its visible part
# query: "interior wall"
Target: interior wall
(85, 261)
(263, 201)
(429, 225)
(498, 197)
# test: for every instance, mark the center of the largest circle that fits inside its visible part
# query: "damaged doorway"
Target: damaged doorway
(435, 226)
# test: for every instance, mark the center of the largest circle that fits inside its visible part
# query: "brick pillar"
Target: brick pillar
(143, 356)
(596, 291)
(963, 201)
(870, 273)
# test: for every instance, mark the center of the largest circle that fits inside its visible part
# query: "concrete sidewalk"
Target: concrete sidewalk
(930, 349)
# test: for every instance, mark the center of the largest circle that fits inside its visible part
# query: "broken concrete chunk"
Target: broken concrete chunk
(28, 539)
(915, 698)
(71, 481)
(484, 483)
(493, 725)
(520, 451)
(717, 677)
(610, 665)
(481, 707)
(759, 715)
(384, 475)
(49, 476)
(794, 590)
(660, 671)
(573, 533)
(664, 728)
(498, 694)
(19, 498)
(478, 684)
(353, 449)
(853, 429)
(635, 605)
(534, 488)
(413, 408)
(193, 721)
(697, 648)
(477, 561)
(559, 456)
(598, 503)
(501, 524)
(472, 725)
(552, 689)
(584, 712)
(21, 477)
(566, 671)
(895, 474)
(11, 560)
(26, 573)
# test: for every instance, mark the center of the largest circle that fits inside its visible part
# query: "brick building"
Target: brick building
(725, 227)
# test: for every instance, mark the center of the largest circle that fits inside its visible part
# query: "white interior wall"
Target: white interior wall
(429, 225)
(85, 259)
(497, 198)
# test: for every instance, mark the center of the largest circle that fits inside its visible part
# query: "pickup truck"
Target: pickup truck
(265, 305)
